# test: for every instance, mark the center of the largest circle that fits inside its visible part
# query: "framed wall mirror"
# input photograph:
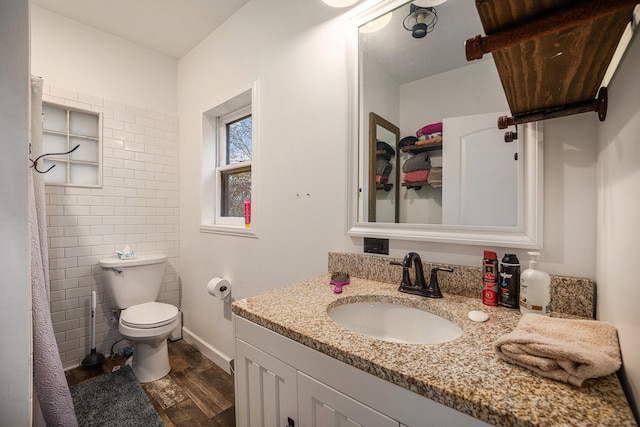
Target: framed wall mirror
(464, 184)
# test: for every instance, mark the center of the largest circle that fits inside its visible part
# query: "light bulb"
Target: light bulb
(340, 3)
(376, 24)
(428, 3)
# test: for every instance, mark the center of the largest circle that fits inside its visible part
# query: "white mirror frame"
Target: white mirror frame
(528, 234)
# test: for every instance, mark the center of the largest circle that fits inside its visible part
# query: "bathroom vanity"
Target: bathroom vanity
(296, 367)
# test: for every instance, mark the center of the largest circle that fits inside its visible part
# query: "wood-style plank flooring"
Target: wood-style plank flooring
(195, 393)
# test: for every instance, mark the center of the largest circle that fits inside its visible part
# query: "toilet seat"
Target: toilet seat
(149, 315)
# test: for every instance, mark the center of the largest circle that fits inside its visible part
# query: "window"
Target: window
(62, 130)
(228, 165)
(235, 169)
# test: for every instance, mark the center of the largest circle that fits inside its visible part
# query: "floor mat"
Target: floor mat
(115, 399)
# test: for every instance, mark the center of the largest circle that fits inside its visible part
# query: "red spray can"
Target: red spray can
(490, 278)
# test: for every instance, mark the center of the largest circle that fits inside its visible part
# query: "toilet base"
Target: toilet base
(150, 362)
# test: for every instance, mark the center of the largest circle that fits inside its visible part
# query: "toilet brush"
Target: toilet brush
(93, 358)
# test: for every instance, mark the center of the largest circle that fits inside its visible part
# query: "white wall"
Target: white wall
(68, 54)
(136, 206)
(298, 55)
(299, 60)
(451, 94)
(383, 98)
(382, 93)
(15, 304)
(618, 205)
(136, 91)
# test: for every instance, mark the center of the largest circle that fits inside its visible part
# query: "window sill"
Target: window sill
(229, 230)
(68, 184)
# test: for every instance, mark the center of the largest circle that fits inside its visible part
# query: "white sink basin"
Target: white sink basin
(395, 323)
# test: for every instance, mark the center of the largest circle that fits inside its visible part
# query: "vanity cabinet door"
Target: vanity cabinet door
(266, 392)
(321, 406)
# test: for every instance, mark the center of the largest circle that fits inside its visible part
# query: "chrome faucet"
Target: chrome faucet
(419, 287)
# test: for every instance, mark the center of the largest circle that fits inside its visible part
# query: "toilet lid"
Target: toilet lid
(148, 315)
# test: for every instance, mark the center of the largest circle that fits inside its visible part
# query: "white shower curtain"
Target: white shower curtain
(49, 381)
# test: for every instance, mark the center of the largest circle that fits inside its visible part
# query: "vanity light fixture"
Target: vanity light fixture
(420, 20)
(340, 3)
(376, 24)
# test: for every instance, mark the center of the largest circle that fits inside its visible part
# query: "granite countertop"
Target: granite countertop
(464, 374)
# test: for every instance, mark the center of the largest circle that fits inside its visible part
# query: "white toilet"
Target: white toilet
(133, 285)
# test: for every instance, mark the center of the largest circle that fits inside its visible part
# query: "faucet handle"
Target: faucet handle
(406, 278)
(433, 290)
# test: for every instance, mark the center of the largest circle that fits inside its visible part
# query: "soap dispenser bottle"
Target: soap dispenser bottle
(535, 294)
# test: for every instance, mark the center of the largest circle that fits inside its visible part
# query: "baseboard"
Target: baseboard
(70, 367)
(211, 353)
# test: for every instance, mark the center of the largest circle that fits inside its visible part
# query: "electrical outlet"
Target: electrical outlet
(376, 246)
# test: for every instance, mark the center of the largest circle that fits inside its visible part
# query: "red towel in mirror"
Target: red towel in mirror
(416, 176)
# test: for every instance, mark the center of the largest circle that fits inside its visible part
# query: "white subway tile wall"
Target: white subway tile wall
(138, 205)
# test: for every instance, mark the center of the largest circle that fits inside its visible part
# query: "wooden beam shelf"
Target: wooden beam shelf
(551, 55)
(418, 148)
(384, 154)
(417, 185)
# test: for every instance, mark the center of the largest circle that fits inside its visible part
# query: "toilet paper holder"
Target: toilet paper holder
(219, 288)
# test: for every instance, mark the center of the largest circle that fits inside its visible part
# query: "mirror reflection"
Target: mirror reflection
(383, 191)
(451, 163)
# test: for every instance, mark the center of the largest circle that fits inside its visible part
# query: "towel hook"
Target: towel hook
(34, 163)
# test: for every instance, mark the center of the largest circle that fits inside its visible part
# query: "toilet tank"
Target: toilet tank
(129, 282)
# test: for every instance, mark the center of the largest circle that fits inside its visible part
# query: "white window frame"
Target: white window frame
(242, 103)
(67, 134)
(223, 166)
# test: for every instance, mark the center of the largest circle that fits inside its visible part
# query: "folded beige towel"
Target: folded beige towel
(567, 350)
(435, 177)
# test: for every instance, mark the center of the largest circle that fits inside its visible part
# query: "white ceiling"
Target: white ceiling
(171, 27)
(175, 27)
